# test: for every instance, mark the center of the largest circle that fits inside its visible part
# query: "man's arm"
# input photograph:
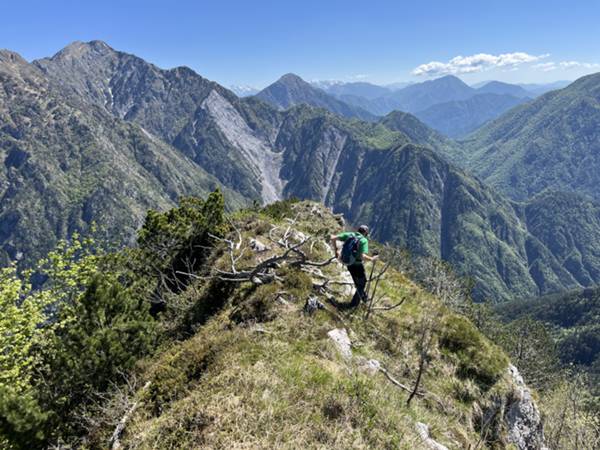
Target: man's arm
(370, 258)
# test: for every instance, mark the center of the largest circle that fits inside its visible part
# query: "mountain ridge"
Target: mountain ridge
(55, 179)
(549, 143)
(264, 154)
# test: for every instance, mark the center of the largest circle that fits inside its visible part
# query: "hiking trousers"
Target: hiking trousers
(360, 281)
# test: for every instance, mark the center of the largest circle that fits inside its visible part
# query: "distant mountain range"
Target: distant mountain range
(97, 135)
(446, 104)
(458, 118)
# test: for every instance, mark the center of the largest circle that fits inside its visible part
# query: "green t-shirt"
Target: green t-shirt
(363, 243)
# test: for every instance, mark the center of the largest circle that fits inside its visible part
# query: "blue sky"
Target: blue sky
(254, 42)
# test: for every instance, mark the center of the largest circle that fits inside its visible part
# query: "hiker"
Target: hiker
(354, 250)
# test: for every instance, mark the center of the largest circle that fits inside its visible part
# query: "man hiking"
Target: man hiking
(354, 250)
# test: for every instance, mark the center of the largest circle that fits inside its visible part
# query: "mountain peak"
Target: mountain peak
(291, 90)
(291, 78)
(78, 48)
(450, 79)
(502, 88)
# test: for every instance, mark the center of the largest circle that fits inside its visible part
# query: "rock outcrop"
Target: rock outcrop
(522, 416)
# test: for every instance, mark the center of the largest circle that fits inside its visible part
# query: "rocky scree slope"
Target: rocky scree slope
(203, 120)
(276, 366)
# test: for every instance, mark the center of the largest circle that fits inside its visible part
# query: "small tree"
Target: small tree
(572, 416)
(177, 242)
(531, 349)
(21, 319)
(438, 277)
(428, 325)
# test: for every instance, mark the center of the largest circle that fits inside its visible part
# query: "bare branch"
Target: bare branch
(389, 308)
(114, 443)
(396, 382)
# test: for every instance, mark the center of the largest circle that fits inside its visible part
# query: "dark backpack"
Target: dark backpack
(350, 250)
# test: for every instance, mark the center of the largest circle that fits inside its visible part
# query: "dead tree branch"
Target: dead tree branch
(114, 443)
(397, 383)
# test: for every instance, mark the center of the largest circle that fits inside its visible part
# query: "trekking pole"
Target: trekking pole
(370, 299)
(370, 278)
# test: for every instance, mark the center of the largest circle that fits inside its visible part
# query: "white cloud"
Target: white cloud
(476, 63)
(547, 67)
(571, 64)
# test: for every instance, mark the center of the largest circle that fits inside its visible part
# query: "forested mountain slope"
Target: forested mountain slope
(550, 143)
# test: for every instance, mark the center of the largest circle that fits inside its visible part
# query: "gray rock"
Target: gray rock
(312, 304)
(258, 246)
(522, 418)
(423, 431)
(368, 366)
(340, 338)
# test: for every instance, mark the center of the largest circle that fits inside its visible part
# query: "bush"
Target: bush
(27, 318)
(281, 209)
(96, 341)
(178, 241)
(476, 357)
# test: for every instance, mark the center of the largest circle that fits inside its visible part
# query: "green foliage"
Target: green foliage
(69, 267)
(476, 356)
(571, 322)
(176, 228)
(22, 314)
(61, 344)
(96, 340)
(281, 209)
(531, 349)
(572, 414)
(177, 240)
(28, 321)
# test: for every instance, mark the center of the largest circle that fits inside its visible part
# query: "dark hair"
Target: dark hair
(364, 230)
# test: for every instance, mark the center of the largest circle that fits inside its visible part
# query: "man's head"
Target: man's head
(364, 230)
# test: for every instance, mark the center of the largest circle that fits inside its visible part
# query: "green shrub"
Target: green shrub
(178, 241)
(475, 356)
(281, 209)
(97, 339)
